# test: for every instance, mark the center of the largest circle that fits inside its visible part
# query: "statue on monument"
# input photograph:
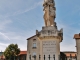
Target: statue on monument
(49, 12)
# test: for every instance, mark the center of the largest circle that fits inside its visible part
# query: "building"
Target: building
(70, 55)
(77, 39)
(22, 55)
(2, 57)
(33, 47)
(45, 44)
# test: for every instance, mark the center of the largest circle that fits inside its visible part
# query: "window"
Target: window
(34, 53)
(34, 45)
(34, 39)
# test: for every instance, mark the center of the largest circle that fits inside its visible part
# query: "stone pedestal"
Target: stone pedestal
(50, 39)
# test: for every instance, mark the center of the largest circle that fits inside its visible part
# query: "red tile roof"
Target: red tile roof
(23, 52)
(73, 54)
(77, 36)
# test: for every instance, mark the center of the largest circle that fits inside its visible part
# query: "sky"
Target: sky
(19, 20)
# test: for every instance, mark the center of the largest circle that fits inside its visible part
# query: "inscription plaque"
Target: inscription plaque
(49, 47)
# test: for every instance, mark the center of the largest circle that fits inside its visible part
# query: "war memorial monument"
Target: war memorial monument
(45, 44)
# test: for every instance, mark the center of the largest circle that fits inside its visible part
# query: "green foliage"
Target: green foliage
(11, 51)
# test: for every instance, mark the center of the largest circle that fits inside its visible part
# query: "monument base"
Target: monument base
(50, 39)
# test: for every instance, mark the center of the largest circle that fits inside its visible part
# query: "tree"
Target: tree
(11, 52)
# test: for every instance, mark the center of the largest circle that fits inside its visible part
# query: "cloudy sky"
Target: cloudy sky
(20, 18)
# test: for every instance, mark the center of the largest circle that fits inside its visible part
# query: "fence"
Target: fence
(53, 58)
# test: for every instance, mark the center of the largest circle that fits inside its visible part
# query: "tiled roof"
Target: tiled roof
(77, 36)
(23, 52)
(69, 53)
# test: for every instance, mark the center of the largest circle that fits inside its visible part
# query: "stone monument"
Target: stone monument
(49, 37)
(49, 12)
(45, 44)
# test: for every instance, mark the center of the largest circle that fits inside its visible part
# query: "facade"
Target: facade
(77, 39)
(70, 55)
(33, 48)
